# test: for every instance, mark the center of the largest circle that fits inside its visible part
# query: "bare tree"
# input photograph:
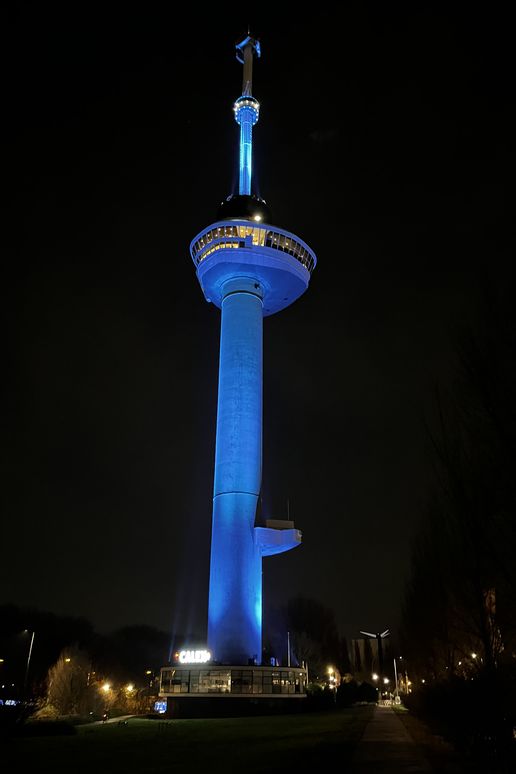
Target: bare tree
(314, 633)
(461, 597)
(67, 682)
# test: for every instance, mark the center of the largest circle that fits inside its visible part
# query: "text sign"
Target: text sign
(194, 656)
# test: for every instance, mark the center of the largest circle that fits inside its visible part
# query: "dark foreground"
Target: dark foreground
(306, 742)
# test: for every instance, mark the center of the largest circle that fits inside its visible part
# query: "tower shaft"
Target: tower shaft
(247, 75)
(246, 112)
(246, 120)
(235, 597)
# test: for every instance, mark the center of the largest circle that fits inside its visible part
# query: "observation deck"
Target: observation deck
(278, 260)
(246, 107)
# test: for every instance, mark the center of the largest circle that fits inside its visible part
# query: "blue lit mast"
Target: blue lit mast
(249, 269)
(247, 110)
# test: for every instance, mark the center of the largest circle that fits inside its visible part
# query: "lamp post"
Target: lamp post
(28, 661)
(333, 683)
(404, 682)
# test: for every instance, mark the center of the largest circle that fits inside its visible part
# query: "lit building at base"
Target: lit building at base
(265, 682)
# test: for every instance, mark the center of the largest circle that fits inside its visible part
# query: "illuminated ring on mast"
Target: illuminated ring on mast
(246, 106)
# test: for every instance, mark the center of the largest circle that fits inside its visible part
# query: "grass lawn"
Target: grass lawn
(299, 742)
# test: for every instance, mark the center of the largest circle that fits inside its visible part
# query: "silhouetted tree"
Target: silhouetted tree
(68, 682)
(132, 651)
(52, 634)
(314, 635)
(461, 597)
(459, 619)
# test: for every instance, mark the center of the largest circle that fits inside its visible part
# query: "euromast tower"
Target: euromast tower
(249, 269)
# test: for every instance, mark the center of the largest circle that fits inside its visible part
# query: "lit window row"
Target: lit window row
(234, 681)
(217, 239)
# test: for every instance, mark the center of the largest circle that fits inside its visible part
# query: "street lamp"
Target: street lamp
(407, 681)
(28, 661)
(333, 683)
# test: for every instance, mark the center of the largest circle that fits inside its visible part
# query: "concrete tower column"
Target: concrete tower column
(235, 598)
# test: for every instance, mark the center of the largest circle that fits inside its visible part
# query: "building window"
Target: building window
(214, 681)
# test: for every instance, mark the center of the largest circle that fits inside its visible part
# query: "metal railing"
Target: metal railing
(244, 234)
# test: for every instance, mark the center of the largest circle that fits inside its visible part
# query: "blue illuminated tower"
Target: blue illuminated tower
(249, 269)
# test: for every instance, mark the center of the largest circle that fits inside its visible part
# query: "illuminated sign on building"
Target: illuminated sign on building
(194, 656)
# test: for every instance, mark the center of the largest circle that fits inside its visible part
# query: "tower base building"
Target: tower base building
(231, 690)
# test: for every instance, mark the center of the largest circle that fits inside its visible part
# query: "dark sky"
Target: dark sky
(386, 142)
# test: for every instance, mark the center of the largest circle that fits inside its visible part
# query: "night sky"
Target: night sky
(385, 141)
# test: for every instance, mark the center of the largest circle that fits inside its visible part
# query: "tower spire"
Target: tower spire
(246, 111)
(245, 53)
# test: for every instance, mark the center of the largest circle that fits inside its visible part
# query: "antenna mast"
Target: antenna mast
(246, 109)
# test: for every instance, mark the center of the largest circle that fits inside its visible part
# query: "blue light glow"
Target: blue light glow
(246, 115)
(246, 157)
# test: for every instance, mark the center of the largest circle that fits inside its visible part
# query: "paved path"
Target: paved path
(117, 719)
(387, 747)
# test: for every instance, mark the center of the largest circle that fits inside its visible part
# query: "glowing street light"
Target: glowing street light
(333, 682)
(28, 660)
(374, 676)
(68, 660)
(129, 688)
(106, 687)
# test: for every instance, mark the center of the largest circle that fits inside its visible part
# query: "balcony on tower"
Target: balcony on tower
(278, 536)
